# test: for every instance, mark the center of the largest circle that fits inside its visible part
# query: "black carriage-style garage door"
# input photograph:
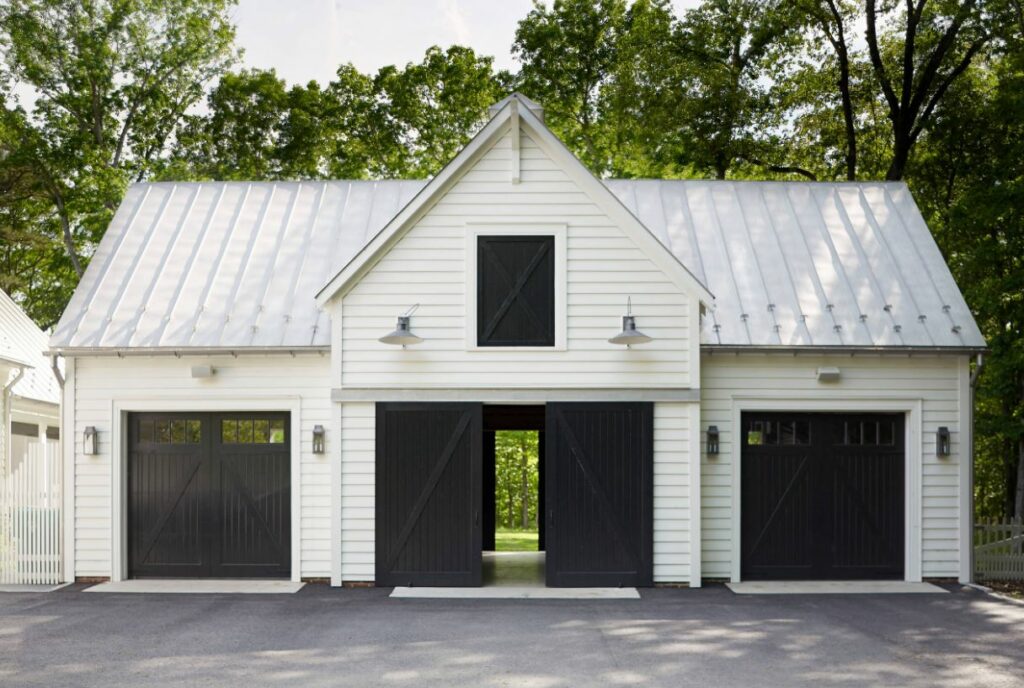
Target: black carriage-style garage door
(209, 495)
(822, 496)
(428, 490)
(599, 493)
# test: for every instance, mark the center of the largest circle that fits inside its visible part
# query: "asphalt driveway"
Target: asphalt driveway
(329, 637)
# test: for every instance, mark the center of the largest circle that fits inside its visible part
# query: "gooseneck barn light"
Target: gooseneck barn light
(402, 334)
(629, 335)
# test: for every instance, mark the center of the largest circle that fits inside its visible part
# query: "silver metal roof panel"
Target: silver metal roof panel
(223, 265)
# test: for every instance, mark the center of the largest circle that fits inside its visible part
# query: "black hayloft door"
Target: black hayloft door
(428, 494)
(822, 496)
(599, 494)
(209, 495)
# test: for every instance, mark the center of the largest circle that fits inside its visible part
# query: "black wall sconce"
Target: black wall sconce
(318, 439)
(712, 445)
(943, 444)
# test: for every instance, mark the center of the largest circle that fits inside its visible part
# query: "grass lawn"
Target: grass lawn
(515, 540)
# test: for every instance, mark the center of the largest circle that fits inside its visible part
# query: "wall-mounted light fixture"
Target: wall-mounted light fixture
(200, 371)
(90, 441)
(318, 439)
(712, 445)
(629, 335)
(943, 444)
(829, 374)
(402, 334)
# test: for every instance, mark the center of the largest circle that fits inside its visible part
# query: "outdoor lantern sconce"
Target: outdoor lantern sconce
(942, 441)
(318, 439)
(712, 446)
(629, 335)
(90, 441)
(402, 335)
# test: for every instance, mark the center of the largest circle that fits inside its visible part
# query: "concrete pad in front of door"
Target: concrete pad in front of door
(517, 592)
(831, 588)
(214, 586)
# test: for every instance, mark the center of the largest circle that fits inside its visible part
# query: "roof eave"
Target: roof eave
(847, 350)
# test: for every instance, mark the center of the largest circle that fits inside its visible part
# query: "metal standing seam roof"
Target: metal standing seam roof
(23, 343)
(235, 265)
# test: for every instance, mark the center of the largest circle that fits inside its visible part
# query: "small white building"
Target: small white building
(800, 407)
(30, 460)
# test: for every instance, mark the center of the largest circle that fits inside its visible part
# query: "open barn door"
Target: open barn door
(599, 494)
(428, 494)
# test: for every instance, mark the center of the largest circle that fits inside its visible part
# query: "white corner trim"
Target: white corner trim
(516, 167)
(336, 497)
(560, 233)
(121, 407)
(68, 439)
(836, 401)
(694, 452)
(965, 455)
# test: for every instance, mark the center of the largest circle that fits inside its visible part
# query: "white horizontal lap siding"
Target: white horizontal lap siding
(933, 381)
(102, 382)
(428, 266)
(358, 475)
(672, 512)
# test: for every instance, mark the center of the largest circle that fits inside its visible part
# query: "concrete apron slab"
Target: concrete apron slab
(32, 588)
(832, 588)
(517, 592)
(195, 586)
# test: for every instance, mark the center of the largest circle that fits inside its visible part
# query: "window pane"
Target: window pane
(853, 436)
(277, 431)
(178, 431)
(146, 431)
(802, 432)
(229, 431)
(886, 433)
(771, 432)
(787, 431)
(52, 433)
(162, 431)
(194, 431)
(261, 431)
(755, 435)
(245, 431)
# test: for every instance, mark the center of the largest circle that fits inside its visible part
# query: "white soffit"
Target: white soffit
(237, 265)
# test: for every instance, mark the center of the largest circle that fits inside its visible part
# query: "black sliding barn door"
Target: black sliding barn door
(599, 494)
(209, 495)
(822, 496)
(428, 494)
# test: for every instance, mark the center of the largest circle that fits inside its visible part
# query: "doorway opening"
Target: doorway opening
(513, 496)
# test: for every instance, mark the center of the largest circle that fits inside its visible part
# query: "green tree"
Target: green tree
(516, 478)
(112, 80)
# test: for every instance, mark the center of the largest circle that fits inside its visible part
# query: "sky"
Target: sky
(308, 39)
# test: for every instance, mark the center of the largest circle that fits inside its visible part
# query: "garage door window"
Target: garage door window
(858, 433)
(786, 433)
(167, 431)
(252, 431)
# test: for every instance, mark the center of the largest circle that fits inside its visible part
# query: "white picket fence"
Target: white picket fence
(30, 515)
(999, 550)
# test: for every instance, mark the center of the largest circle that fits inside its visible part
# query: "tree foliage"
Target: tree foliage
(925, 91)
(516, 478)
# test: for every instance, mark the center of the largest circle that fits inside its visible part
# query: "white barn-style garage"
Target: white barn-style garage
(788, 395)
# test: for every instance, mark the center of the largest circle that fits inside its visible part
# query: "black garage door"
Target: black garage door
(209, 495)
(428, 494)
(599, 494)
(822, 496)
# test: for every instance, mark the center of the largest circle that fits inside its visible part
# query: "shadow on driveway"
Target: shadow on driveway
(331, 637)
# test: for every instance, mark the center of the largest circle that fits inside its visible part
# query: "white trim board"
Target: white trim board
(829, 402)
(204, 586)
(516, 592)
(522, 395)
(832, 588)
(120, 408)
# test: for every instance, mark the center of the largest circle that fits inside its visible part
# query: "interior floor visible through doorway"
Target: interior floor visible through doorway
(520, 569)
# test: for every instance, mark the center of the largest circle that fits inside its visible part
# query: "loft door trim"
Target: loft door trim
(561, 292)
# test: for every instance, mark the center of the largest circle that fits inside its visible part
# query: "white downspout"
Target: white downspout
(7, 419)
